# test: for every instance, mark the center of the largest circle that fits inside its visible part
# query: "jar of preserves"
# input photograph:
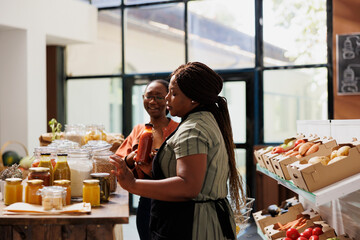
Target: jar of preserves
(44, 150)
(67, 185)
(81, 166)
(41, 173)
(52, 197)
(102, 164)
(13, 191)
(31, 190)
(92, 133)
(91, 192)
(62, 169)
(145, 145)
(104, 183)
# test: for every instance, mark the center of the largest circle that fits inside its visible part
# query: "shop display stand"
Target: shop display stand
(324, 200)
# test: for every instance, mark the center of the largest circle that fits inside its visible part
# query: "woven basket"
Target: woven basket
(6, 144)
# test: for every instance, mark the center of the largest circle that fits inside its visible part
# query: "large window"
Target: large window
(272, 54)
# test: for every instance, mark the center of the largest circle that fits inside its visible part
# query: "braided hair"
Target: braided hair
(203, 85)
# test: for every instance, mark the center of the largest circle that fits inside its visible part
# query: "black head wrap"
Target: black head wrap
(199, 82)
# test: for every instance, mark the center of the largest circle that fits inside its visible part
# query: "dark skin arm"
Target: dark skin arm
(186, 185)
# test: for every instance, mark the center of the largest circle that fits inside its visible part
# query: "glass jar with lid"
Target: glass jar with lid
(67, 185)
(39, 151)
(75, 133)
(91, 192)
(41, 173)
(92, 133)
(81, 166)
(31, 190)
(52, 197)
(101, 161)
(104, 183)
(13, 191)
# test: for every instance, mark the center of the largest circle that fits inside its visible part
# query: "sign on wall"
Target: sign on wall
(348, 64)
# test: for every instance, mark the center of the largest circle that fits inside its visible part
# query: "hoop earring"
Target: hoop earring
(193, 102)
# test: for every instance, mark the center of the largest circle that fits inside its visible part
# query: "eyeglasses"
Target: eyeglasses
(155, 98)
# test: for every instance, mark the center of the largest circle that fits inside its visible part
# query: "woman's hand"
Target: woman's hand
(123, 174)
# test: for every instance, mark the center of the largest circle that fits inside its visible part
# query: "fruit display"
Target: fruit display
(336, 155)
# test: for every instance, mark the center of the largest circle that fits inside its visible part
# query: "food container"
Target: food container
(75, 133)
(62, 169)
(91, 192)
(67, 185)
(101, 161)
(41, 173)
(31, 190)
(80, 167)
(104, 182)
(52, 197)
(13, 191)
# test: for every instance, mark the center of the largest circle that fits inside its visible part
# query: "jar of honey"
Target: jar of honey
(42, 173)
(67, 185)
(91, 192)
(31, 189)
(13, 191)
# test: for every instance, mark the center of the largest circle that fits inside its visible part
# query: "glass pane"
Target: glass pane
(240, 157)
(291, 95)
(294, 32)
(97, 101)
(221, 33)
(106, 3)
(104, 55)
(154, 38)
(139, 115)
(235, 93)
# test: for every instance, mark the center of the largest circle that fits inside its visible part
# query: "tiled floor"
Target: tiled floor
(130, 231)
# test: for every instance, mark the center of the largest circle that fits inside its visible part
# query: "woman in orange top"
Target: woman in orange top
(155, 106)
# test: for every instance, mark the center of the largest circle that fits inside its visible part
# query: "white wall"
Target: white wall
(26, 28)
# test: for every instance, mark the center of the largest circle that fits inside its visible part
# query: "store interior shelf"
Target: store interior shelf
(321, 196)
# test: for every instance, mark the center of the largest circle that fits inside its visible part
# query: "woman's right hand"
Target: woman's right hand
(123, 174)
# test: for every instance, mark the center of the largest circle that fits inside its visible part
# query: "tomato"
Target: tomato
(307, 233)
(35, 163)
(317, 231)
(301, 238)
(314, 237)
(299, 141)
(277, 150)
(286, 238)
(292, 233)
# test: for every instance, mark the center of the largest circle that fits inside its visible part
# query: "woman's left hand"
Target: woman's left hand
(123, 174)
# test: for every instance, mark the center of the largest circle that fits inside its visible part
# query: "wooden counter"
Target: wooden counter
(99, 224)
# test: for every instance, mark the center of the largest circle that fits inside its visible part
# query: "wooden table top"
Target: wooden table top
(116, 211)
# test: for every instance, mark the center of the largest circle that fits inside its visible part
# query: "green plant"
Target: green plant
(55, 129)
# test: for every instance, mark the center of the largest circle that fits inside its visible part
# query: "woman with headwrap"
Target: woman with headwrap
(191, 169)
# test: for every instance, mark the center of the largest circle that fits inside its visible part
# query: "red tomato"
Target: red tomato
(307, 233)
(317, 231)
(299, 141)
(314, 237)
(301, 238)
(292, 233)
(286, 238)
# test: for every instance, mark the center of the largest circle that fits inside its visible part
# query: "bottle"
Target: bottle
(62, 169)
(91, 192)
(13, 190)
(45, 161)
(31, 189)
(145, 145)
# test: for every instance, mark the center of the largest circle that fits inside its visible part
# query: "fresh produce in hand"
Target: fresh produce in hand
(292, 233)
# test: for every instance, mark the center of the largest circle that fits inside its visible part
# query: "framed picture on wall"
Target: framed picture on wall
(348, 64)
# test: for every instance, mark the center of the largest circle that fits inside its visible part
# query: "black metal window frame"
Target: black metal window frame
(252, 76)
